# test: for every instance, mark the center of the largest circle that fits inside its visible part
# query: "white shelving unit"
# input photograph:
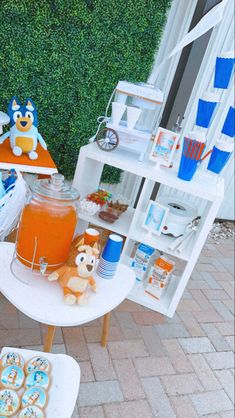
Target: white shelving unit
(205, 186)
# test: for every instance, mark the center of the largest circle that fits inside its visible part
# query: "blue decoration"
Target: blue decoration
(9, 183)
(2, 190)
(205, 111)
(223, 71)
(229, 123)
(23, 134)
(218, 160)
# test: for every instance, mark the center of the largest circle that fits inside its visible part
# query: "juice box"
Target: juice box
(158, 276)
(142, 259)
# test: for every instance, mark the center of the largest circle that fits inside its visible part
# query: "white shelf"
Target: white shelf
(204, 185)
(29, 168)
(162, 242)
(122, 127)
(121, 226)
(139, 295)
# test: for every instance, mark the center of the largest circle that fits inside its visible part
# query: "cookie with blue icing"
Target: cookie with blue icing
(12, 377)
(37, 379)
(34, 396)
(9, 403)
(12, 359)
(37, 363)
(31, 412)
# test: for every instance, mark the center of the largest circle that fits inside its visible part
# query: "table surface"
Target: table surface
(65, 380)
(43, 165)
(43, 301)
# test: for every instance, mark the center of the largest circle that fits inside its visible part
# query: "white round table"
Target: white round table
(43, 301)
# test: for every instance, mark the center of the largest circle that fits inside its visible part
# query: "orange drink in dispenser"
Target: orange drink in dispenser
(47, 224)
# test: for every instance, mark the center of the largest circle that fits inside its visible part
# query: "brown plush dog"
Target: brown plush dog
(76, 275)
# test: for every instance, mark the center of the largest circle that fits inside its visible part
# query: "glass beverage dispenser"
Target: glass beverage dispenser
(47, 224)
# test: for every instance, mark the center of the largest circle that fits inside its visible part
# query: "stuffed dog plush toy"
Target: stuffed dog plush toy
(75, 279)
(23, 134)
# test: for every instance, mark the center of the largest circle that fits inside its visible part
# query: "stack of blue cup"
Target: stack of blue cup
(110, 257)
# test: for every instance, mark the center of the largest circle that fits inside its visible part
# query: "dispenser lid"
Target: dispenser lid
(142, 90)
(55, 188)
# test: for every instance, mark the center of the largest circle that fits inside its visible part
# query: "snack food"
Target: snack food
(37, 379)
(12, 377)
(37, 363)
(9, 402)
(31, 412)
(12, 359)
(34, 396)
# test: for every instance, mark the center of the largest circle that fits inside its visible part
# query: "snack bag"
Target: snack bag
(158, 276)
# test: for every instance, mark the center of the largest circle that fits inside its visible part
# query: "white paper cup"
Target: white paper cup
(133, 114)
(118, 110)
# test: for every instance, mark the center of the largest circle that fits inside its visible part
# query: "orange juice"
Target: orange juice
(46, 231)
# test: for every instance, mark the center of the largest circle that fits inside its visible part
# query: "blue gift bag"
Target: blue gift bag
(205, 111)
(229, 123)
(223, 72)
(218, 160)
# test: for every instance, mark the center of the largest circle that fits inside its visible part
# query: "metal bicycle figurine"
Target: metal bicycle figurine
(107, 139)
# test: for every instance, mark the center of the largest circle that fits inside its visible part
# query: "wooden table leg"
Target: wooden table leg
(105, 330)
(49, 339)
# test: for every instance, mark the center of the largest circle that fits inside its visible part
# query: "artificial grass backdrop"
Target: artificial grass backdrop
(68, 55)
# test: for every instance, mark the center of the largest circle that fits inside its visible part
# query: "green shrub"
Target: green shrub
(68, 56)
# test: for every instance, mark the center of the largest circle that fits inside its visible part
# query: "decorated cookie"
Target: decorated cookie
(12, 359)
(37, 379)
(31, 412)
(34, 396)
(9, 403)
(12, 377)
(37, 363)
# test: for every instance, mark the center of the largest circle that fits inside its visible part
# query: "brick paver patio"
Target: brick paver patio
(153, 366)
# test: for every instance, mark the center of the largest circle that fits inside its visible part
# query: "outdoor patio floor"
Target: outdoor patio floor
(153, 366)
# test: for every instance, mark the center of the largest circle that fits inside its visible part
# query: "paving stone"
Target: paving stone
(177, 356)
(93, 334)
(87, 374)
(133, 409)
(197, 284)
(191, 324)
(211, 402)
(128, 325)
(58, 337)
(222, 310)
(205, 267)
(216, 338)
(203, 372)
(188, 305)
(227, 381)
(58, 349)
(183, 407)
(148, 318)
(20, 337)
(91, 412)
(75, 412)
(101, 362)
(216, 294)
(209, 316)
(225, 328)
(182, 384)
(129, 380)
(25, 321)
(75, 343)
(220, 360)
(172, 331)
(127, 349)
(227, 414)
(202, 301)
(152, 341)
(186, 295)
(196, 345)
(98, 393)
(153, 366)
(230, 341)
(157, 398)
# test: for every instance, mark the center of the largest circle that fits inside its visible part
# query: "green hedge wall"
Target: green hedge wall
(68, 56)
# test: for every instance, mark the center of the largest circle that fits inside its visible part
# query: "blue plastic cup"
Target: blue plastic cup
(223, 72)
(187, 168)
(113, 248)
(205, 111)
(229, 123)
(218, 160)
